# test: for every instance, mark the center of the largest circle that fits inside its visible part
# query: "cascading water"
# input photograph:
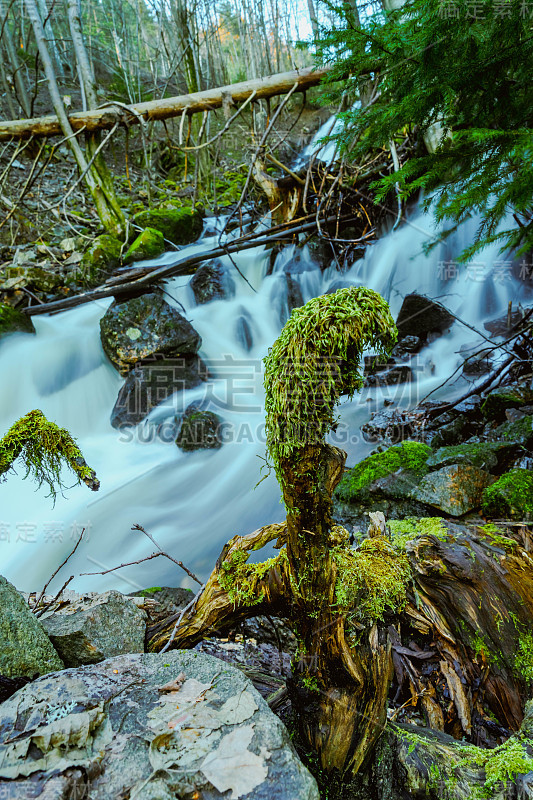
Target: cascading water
(192, 503)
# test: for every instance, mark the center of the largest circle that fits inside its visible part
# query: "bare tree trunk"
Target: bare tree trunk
(21, 93)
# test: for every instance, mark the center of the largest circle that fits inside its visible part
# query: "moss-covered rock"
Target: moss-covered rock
(143, 328)
(406, 462)
(500, 399)
(485, 455)
(200, 429)
(178, 225)
(13, 321)
(511, 496)
(39, 278)
(100, 259)
(456, 489)
(26, 648)
(212, 281)
(149, 244)
(519, 432)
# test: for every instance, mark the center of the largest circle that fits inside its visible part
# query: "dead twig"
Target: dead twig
(47, 584)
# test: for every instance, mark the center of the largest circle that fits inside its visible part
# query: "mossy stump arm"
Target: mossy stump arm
(43, 448)
(234, 591)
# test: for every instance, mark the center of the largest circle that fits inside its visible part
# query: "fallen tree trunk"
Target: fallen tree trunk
(208, 100)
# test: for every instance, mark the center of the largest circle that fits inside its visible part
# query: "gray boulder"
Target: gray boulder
(420, 316)
(95, 628)
(153, 727)
(456, 489)
(26, 648)
(145, 327)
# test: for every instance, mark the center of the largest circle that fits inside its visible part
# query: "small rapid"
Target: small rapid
(192, 503)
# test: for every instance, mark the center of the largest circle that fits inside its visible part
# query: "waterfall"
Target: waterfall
(192, 503)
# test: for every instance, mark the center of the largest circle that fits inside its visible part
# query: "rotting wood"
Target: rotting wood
(109, 115)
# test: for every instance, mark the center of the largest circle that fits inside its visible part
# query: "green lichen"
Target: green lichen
(371, 581)
(408, 456)
(240, 579)
(511, 496)
(315, 360)
(501, 764)
(405, 530)
(44, 448)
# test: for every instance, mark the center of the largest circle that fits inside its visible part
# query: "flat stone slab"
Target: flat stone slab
(456, 489)
(148, 726)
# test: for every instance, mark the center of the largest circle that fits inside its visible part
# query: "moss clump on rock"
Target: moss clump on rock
(149, 244)
(519, 432)
(500, 399)
(485, 455)
(408, 456)
(511, 496)
(178, 225)
(100, 259)
(200, 429)
(13, 321)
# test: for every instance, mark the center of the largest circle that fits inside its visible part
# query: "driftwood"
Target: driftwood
(109, 115)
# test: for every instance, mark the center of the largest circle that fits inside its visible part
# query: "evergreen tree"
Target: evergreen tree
(464, 66)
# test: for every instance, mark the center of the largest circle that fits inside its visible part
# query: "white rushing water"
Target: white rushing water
(192, 503)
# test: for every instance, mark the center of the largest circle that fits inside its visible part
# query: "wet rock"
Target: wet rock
(144, 327)
(389, 425)
(454, 432)
(26, 648)
(149, 244)
(100, 259)
(200, 429)
(13, 321)
(243, 330)
(511, 497)
(455, 489)
(519, 432)
(114, 730)
(212, 281)
(148, 385)
(420, 316)
(320, 250)
(490, 456)
(178, 225)
(476, 362)
(407, 346)
(502, 326)
(96, 628)
(399, 373)
(295, 297)
(169, 599)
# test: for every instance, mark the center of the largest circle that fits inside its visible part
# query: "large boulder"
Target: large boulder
(420, 316)
(519, 432)
(140, 329)
(155, 727)
(100, 259)
(212, 281)
(13, 321)
(490, 456)
(26, 648)
(178, 225)
(456, 489)
(96, 627)
(148, 385)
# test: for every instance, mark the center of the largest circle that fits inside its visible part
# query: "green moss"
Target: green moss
(178, 225)
(13, 321)
(44, 448)
(371, 581)
(315, 360)
(239, 579)
(100, 259)
(497, 401)
(524, 656)
(493, 534)
(483, 454)
(501, 764)
(151, 590)
(518, 432)
(405, 530)
(511, 496)
(149, 244)
(408, 456)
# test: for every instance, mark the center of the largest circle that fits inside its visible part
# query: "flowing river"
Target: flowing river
(192, 503)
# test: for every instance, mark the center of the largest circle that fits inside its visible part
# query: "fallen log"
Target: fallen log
(121, 286)
(109, 115)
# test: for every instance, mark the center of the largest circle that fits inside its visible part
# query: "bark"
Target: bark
(166, 108)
